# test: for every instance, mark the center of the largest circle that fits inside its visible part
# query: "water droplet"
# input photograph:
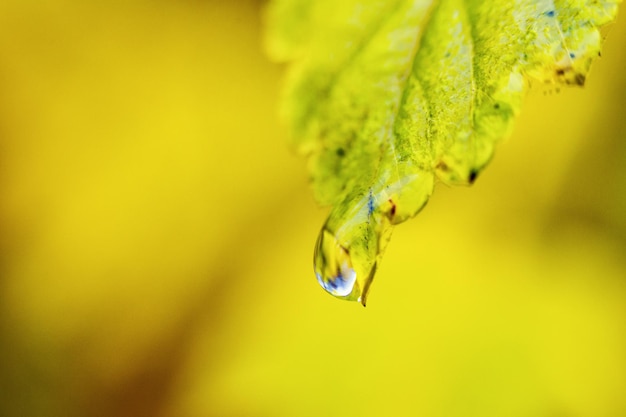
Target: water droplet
(333, 267)
(349, 247)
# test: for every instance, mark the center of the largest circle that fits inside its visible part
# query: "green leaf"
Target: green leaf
(385, 97)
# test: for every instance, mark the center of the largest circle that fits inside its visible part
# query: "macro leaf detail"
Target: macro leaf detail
(387, 97)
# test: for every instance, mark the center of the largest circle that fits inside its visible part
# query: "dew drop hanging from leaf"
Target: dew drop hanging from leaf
(386, 96)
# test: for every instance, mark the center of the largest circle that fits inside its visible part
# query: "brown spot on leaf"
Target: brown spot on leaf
(472, 176)
(580, 79)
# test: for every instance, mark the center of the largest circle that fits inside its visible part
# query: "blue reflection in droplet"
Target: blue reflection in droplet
(340, 285)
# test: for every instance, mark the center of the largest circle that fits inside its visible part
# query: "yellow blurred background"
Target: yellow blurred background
(156, 239)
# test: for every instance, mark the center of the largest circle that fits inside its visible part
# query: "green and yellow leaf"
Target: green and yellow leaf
(387, 97)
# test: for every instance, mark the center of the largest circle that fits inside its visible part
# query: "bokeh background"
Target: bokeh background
(156, 239)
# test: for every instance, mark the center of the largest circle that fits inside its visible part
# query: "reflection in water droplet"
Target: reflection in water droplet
(333, 267)
(349, 247)
(341, 284)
